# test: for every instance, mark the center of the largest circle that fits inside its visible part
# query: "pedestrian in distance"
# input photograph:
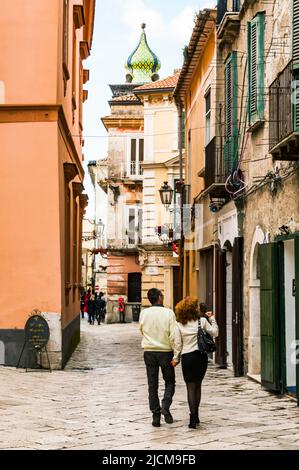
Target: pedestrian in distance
(102, 306)
(82, 303)
(157, 326)
(97, 308)
(194, 363)
(91, 309)
(121, 309)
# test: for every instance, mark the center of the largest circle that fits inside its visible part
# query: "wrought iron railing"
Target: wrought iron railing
(280, 107)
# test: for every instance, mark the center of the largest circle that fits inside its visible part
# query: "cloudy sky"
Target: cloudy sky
(117, 31)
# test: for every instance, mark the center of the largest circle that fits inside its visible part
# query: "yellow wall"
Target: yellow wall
(195, 109)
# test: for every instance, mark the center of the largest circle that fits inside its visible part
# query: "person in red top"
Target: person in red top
(121, 309)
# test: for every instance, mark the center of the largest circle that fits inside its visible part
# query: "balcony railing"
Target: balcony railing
(283, 108)
(224, 6)
(215, 176)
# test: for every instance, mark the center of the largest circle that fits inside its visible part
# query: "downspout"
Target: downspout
(182, 200)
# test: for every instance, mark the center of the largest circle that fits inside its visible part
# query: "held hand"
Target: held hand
(174, 363)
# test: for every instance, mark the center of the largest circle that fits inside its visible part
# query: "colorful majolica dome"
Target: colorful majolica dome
(142, 65)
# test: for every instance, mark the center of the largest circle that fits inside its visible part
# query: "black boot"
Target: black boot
(156, 420)
(167, 416)
(193, 420)
(197, 419)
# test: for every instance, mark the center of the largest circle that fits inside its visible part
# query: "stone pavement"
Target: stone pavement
(100, 402)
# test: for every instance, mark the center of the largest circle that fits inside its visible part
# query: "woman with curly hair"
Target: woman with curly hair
(194, 363)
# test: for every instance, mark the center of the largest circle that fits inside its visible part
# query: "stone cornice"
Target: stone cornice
(78, 188)
(124, 122)
(43, 113)
(70, 171)
(28, 113)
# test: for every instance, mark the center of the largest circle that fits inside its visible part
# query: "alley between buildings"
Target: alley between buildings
(100, 402)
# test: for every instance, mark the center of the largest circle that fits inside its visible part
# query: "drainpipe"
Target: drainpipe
(182, 187)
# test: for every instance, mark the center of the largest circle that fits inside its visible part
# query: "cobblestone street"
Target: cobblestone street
(100, 402)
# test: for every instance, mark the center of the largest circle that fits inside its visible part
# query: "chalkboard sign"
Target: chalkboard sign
(37, 332)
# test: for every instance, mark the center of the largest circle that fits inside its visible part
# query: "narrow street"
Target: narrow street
(100, 402)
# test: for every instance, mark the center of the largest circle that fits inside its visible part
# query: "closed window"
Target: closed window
(208, 118)
(256, 68)
(134, 225)
(231, 113)
(136, 157)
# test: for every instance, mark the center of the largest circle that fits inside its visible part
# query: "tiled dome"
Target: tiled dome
(143, 64)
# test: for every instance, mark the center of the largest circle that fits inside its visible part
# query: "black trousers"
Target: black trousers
(153, 361)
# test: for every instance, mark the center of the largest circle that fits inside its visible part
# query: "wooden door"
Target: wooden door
(220, 307)
(176, 285)
(270, 307)
(296, 287)
(134, 287)
(237, 306)
(209, 258)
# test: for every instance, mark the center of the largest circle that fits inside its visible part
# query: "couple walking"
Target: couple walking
(169, 338)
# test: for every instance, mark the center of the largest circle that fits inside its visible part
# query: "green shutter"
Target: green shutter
(295, 35)
(297, 308)
(269, 296)
(255, 45)
(231, 113)
(295, 101)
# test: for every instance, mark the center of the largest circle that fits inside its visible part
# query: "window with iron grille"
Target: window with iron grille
(256, 101)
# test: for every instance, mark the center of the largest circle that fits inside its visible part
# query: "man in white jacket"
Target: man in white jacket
(157, 326)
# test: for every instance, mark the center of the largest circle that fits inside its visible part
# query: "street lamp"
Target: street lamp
(166, 193)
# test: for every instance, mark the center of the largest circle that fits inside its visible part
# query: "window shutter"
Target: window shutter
(253, 68)
(296, 33)
(231, 114)
(256, 31)
(295, 96)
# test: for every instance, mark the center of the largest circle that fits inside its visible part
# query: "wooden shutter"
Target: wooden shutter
(295, 93)
(231, 114)
(256, 60)
(295, 34)
(237, 306)
(269, 295)
(297, 308)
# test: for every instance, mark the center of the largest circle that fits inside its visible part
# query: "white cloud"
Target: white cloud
(181, 26)
(136, 12)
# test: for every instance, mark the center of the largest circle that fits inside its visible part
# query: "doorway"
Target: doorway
(176, 279)
(134, 287)
(290, 315)
(229, 307)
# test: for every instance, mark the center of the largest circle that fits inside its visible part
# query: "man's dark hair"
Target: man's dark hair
(203, 307)
(153, 295)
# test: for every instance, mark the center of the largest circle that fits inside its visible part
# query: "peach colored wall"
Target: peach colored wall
(118, 269)
(30, 275)
(195, 117)
(29, 50)
(203, 79)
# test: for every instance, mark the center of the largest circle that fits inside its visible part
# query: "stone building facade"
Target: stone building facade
(250, 181)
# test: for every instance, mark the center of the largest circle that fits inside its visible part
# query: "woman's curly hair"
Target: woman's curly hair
(187, 310)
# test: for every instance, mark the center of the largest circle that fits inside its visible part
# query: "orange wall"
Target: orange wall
(30, 275)
(29, 50)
